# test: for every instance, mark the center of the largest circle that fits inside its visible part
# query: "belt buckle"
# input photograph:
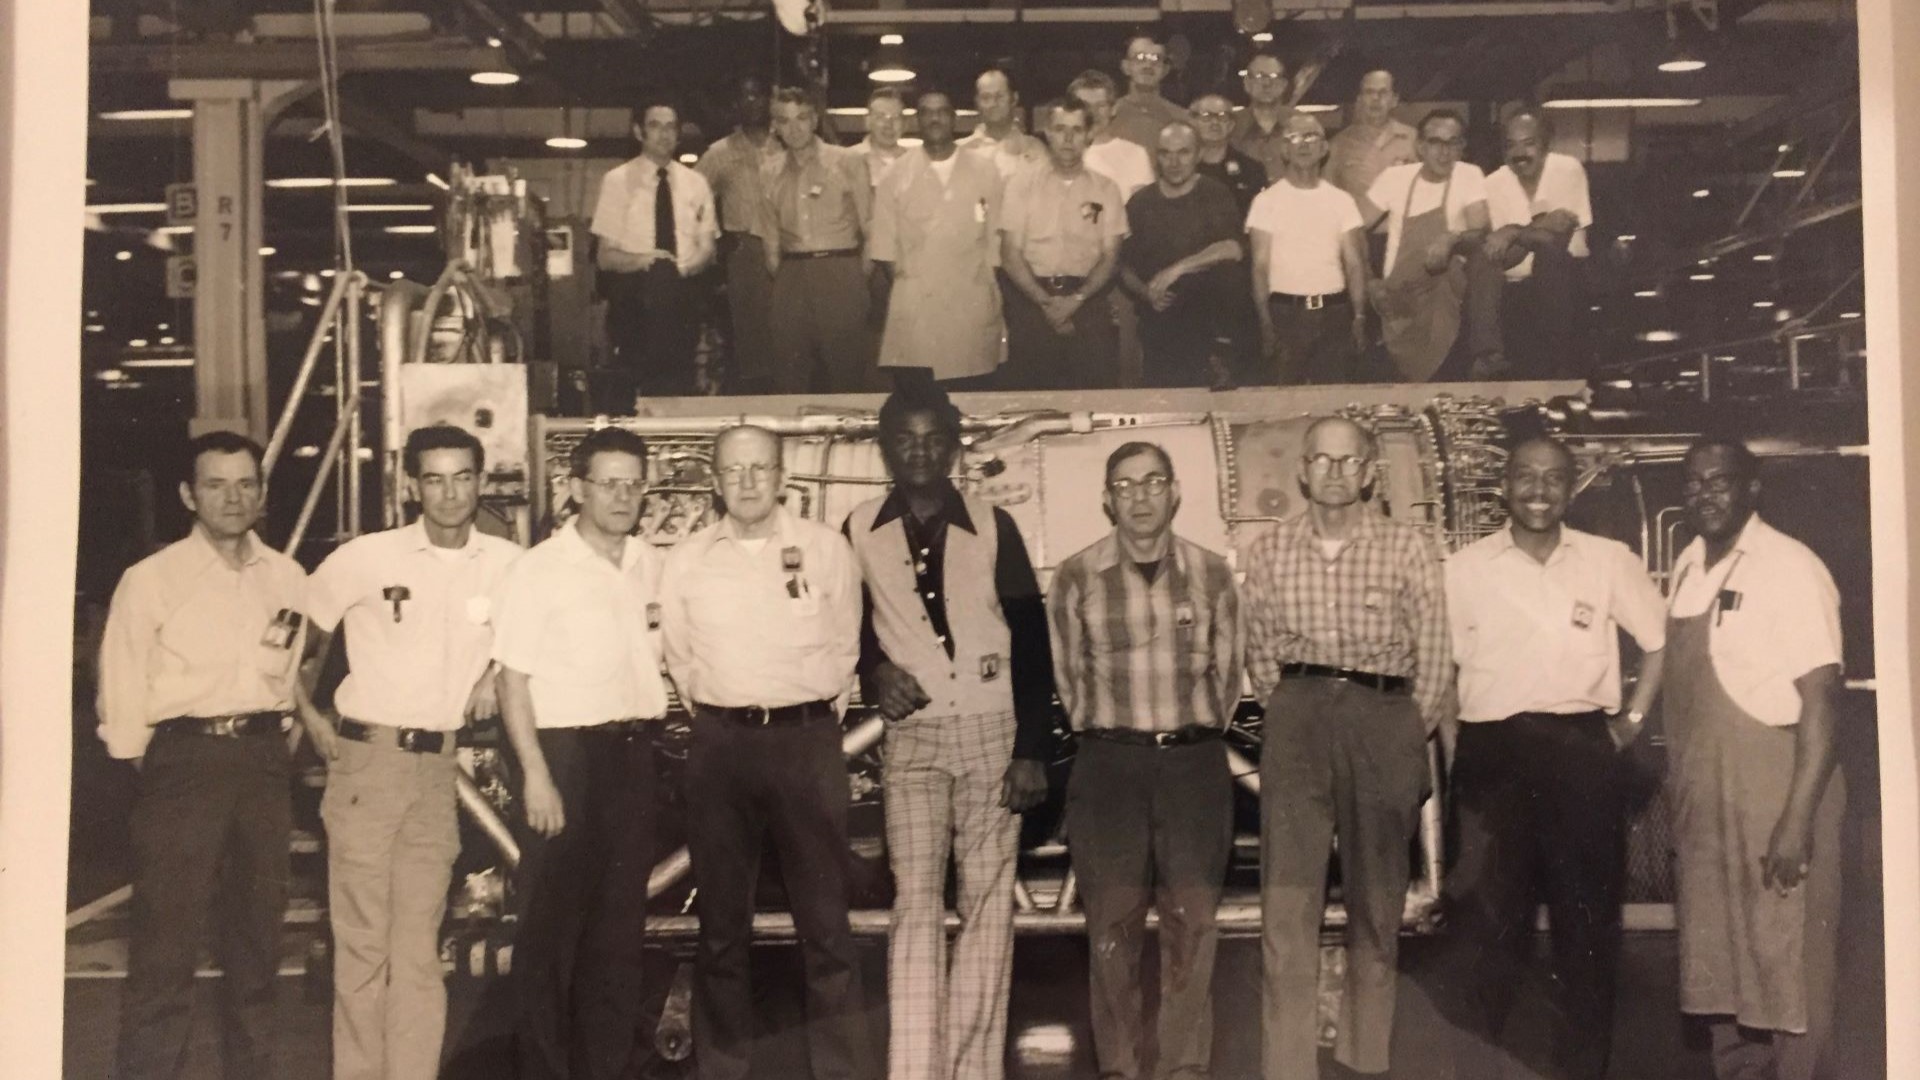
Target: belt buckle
(1316, 302)
(765, 715)
(224, 726)
(407, 738)
(1164, 739)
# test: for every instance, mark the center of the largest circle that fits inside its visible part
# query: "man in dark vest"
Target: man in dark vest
(954, 654)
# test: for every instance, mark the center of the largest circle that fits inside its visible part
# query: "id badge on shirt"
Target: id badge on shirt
(980, 212)
(281, 632)
(1582, 615)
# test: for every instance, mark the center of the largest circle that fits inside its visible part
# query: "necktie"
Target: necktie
(663, 215)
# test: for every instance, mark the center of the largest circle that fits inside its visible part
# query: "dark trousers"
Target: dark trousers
(577, 955)
(210, 832)
(749, 307)
(1199, 331)
(1539, 318)
(742, 783)
(1314, 346)
(823, 343)
(653, 323)
(1540, 807)
(1335, 758)
(1038, 358)
(1151, 828)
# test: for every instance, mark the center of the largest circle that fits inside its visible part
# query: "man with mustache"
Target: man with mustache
(1539, 210)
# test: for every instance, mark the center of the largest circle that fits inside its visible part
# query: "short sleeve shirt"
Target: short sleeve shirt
(1123, 162)
(1165, 230)
(625, 210)
(1563, 186)
(1060, 223)
(1307, 225)
(1402, 192)
(1357, 155)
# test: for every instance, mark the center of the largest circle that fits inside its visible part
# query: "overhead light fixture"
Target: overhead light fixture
(122, 256)
(493, 42)
(265, 251)
(689, 159)
(1315, 108)
(1681, 61)
(1699, 277)
(128, 208)
(1789, 174)
(434, 179)
(890, 61)
(175, 230)
(494, 78)
(1763, 257)
(848, 110)
(1622, 103)
(1763, 304)
(1701, 193)
(412, 230)
(328, 272)
(164, 326)
(1849, 314)
(137, 343)
(148, 114)
(1647, 293)
(396, 275)
(300, 183)
(390, 208)
(166, 341)
(567, 142)
(1262, 38)
(892, 39)
(1658, 337)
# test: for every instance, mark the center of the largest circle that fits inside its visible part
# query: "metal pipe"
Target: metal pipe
(1793, 363)
(397, 303)
(1706, 377)
(278, 441)
(354, 309)
(319, 484)
(486, 817)
(423, 332)
(340, 413)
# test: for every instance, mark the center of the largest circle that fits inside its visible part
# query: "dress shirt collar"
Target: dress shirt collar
(806, 155)
(1364, 527)
(1504, 543)
(576, 549)
(414, 538)
(1110, 554)
(1756, 536)
(783, 531)
(953, 509)
(250, 547)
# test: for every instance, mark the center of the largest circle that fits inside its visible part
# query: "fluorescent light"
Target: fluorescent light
(148, 114)
(891, 73)
(1789, 174)
(396, 275)
(110, 375)
(1595, 307)
(892, 39)
(1647, 293)
(328, 272)
(1262, 38)
(301, 182)
(567, 142)
(390, 208)
(96, 328)
(166, 341)
(434, 179)
(1620, 384)
(689, 159)
(1315, 108)
(1627, 238)
(1623, 103)
(1763, 257)
(493, 42)
(1681, 64)
(164, 326)
(1689, 373)
(1699, 277)
(137, 343)
(269, 251)
(411, 230)
(1786, 148)
(1701, 193)
(494, 78)
(128, 208)
(175, 230)
(848, 110)
(122, 256)
(1763, 303)
(1658, 337)
(1849, 314)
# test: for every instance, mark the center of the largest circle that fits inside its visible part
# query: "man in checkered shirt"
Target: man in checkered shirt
(1146, 633)
(1348, 645)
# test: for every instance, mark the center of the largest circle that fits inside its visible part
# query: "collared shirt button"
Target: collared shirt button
(929, 596)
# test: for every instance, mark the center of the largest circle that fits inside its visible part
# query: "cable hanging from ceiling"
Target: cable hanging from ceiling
(328, 43)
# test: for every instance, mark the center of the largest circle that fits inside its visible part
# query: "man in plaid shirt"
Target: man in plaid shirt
(1347, 643)
(1146, 646)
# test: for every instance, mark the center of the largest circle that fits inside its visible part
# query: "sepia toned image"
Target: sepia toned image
(643, 539)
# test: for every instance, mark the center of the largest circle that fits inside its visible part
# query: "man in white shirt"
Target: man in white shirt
(998, 136)
(761, 617)
(657, 229)
(1754, 662)
(581, 693)
(1309, 267)
(886, 119)
(1130, 167)
(1538, 785)
(1539, 209)
(1436, 214)
(417, 601)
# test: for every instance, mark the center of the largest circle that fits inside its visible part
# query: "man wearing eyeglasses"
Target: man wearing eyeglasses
(954, 655)
(417, 604)
(1538, 787)
(1139, 116)
(581, 692)
(1309, 268)
(1347, 646)
(1753, 674)
(1244, 175)
(1147, 652)
(1436, 214)
(1178, 263)
(761, 618)
(1259, 130)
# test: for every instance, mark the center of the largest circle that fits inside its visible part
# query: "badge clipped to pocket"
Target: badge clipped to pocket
(790, 561)
(1090, 212)
(653, 616)
(1374, 599)
(1728, 600)
(989, 667)
(1183, 615)
(980, 212)
(282, 630)
(1582, 615)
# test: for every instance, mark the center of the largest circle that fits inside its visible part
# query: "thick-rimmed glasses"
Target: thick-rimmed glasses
(1148, 485)
(735, 475)
(1329, 465)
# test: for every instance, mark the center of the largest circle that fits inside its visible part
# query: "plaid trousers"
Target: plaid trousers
(942, 786)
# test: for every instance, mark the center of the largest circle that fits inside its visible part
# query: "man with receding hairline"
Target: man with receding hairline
(1309, 268)
(1178, 263)
(1347, 646)
(1373, 141)
(1139, 116)
(1258, 130)
(760, 614)
(997, 135)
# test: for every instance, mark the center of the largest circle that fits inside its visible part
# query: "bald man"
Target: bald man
(1347, 644)
(1178, 264)
(760, 614)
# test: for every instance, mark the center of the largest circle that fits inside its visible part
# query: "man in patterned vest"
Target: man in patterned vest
(954, 654)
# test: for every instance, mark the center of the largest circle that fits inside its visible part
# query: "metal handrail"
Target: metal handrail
(329, 314)
(1774, 337)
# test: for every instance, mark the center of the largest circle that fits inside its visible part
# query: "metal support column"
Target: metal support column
(230, 117)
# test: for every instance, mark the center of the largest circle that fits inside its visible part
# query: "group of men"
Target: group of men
(1137, 243)
(1348, 625)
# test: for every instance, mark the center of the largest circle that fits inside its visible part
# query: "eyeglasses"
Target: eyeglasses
(1148, 58)
(1148, 485)
(1299, 138)
(1342, 465)
(733, 475)
(1265, 76)
(1213, 116)
(620, 486)
(1712, 485)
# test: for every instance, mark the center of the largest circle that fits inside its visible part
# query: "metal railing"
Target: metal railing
(338, 324)
(1714, 367)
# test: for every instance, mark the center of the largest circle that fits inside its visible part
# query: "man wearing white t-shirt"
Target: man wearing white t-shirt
(1539, 209)
(1436, 215)
(1130, 167)
(1309, 266)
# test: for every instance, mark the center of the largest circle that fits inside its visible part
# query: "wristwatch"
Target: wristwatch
(1635, 717)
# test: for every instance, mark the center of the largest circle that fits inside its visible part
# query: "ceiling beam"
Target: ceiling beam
(522, 43)
(631, 16)
(364, 119)
(286, 60)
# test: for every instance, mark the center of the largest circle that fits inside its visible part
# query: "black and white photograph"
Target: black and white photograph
(959, 539)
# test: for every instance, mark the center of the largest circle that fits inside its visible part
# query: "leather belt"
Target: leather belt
(1159, 740)
(1060, 284)
(833, 253)
(1386, 684)
(232, 726)
(627, 728)
(1310, 303)
(763, 716)
(412, 740)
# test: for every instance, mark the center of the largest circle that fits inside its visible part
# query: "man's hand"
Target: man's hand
(1784, 866)
(1060, 311)
(1439, 255)
(483, 701)
(1497, 245)
(326, 740)
(544, 814)
(1160, 289)
(1559, 221)
(1024, 785)
(897, 694)
(621, 261)
(1622, 730)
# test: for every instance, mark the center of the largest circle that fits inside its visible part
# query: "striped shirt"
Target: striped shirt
(1378, 605)
(1147, 655)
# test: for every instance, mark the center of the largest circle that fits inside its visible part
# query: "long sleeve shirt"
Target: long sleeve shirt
(1379, 605)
